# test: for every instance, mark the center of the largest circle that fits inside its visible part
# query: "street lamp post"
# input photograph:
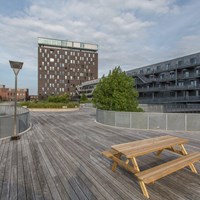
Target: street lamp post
(16, 66)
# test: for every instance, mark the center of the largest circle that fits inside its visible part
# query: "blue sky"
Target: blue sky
(130, 33)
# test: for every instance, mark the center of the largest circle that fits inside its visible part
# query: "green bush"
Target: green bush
(72, 105)
(48, 105)
(59, 99)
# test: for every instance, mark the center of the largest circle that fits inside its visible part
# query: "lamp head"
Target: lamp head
(16, 66)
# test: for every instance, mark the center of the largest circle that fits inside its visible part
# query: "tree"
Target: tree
(116, 92)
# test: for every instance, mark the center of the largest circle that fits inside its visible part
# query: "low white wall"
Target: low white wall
(154, 121)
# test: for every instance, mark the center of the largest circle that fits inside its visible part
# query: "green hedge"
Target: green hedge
(49, 104)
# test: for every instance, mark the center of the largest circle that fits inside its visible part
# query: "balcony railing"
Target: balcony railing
(168, 78)
(169, 99)
(169, 88)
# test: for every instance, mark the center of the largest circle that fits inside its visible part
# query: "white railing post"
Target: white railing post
(148, 121)
(185, 122)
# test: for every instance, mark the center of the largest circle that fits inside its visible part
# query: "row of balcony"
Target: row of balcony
(167, 78)
(169, 88)
(168, 68)
(162, 100)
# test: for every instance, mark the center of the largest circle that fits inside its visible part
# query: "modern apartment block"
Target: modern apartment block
(175, 81)
(8, 94)
(62, 65)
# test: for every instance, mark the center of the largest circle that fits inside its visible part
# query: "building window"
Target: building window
(167, 65)
(51, 76)
(148, 70)
(181, 83)
(158, 67)
(193, 83)
(51, 59)
(172, 74)
(193, 61)
(186, 74)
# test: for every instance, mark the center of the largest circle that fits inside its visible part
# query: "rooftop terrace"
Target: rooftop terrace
(60, 158)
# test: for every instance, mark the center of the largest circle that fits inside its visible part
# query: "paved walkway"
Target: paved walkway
(59, 158)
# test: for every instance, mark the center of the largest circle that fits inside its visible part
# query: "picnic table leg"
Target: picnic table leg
(142, 184)
(192, 167)
(144, 189)
(127, 161)
(135, 165)
(159, 152)
(114, 165)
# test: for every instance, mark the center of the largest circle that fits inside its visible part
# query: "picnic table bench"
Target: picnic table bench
(134, 149)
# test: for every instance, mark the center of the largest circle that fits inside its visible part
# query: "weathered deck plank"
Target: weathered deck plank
(60, 158)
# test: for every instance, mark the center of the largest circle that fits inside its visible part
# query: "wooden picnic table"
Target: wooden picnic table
(132, 150)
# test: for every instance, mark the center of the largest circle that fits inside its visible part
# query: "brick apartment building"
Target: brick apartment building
(63, 65)
(8, 94)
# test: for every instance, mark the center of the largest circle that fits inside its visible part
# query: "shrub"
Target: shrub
(59, 99)
(72, 105)
(48, 105)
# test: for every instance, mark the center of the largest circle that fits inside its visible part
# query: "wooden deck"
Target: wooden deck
(59, 158)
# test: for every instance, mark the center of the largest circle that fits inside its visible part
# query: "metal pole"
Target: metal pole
(15, 136)
(15, 110)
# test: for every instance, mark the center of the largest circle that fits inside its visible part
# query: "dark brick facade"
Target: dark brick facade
(62, 68)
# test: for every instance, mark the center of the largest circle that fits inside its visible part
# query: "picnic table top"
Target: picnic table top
(142, 147)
